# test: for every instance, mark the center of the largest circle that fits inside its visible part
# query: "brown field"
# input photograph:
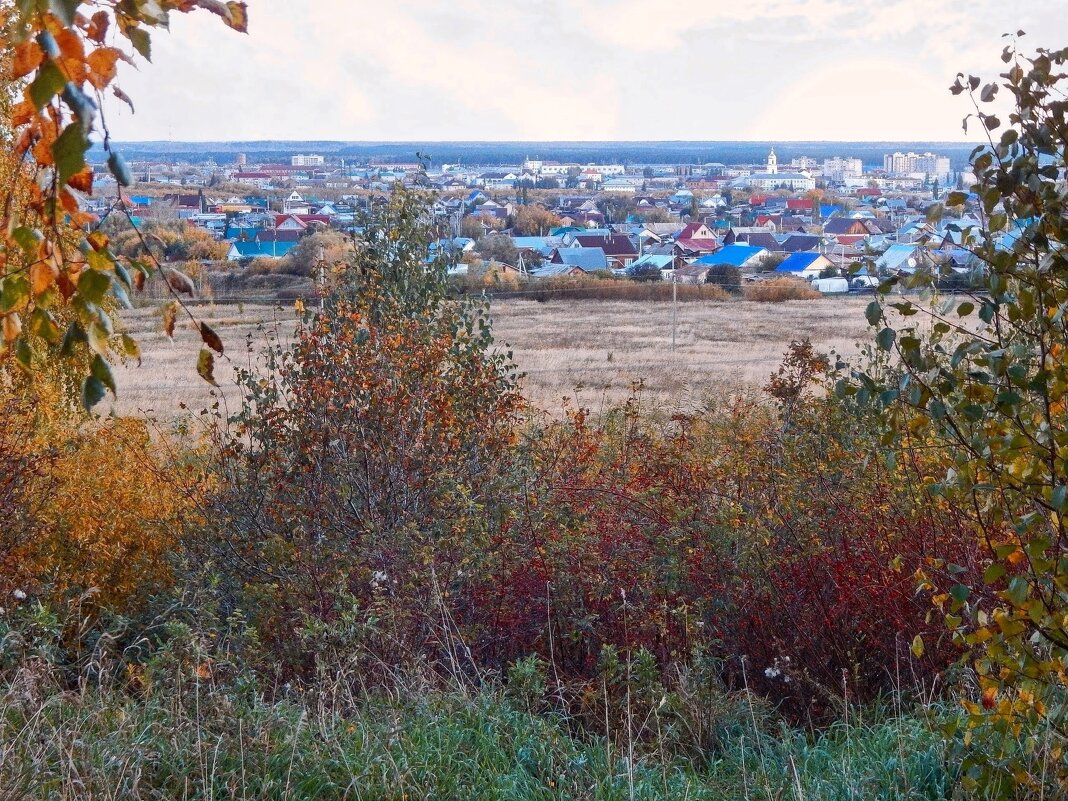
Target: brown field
(590, 352)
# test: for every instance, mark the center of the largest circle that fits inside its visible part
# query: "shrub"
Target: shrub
(361, 470)
(726, 276)
(778, 290)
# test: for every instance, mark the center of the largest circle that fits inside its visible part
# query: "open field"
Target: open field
(588, 351)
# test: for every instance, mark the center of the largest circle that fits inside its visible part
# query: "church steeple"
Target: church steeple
(773, 162)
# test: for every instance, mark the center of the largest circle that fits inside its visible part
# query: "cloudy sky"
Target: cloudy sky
(577, 70)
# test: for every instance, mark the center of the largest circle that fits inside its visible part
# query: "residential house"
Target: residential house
(586, 258)
(740, 256)
(554, 270)
(617, 247)
(805, 265)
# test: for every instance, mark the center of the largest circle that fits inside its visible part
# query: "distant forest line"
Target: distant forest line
(500, 153)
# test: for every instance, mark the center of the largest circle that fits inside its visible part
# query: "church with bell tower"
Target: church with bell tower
(773, 163)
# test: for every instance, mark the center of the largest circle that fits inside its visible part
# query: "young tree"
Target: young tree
(55, 278)
(984, 386)
(534, 221)
(362, 463)
(498, 248)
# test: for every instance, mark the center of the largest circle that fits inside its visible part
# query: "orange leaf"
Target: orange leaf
(170, 317)
(98, 240)
(102, 62)
(70, 44)
(180, 282)
(28, 57)
(82, 181)
(42, 276)
(12, 327)
(98, 27)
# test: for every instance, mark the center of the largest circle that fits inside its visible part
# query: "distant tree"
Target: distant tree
(330, 247)
(830, 271)
(648, 172)
(772, 262)
(471, 227)
(656, 215)
(726, 276)
(497, 247)
(547, 182)
(534, 221)
(647, 274)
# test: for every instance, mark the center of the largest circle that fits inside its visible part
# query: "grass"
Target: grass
(197, 740)
(591, 352)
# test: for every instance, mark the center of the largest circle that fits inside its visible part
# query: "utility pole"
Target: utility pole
(322, 279)
(674, 309)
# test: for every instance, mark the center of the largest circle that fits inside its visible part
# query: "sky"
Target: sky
(483, 70)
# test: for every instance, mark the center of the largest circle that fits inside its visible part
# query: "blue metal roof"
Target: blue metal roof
(798, 262)
(734, 255)
(586, 258)
(257, 249)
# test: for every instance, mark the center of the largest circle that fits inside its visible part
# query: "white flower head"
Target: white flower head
(19, 595)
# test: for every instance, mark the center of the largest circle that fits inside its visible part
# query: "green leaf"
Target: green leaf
(885, 338)
(44, 325)
(141, 41)
(1018, 590)
(64, 9)
(966, 308)
(118, 167)
(29, 239)
(23, 354)
(206, 366)
(130, 347)
(874, 313)
(93, 285)
(14, 291)
(102, 370)
(960, 593)
(48, 83)
(1059, 497)
(93, 391)
(994, 572)
(68, 151)
(75, 334)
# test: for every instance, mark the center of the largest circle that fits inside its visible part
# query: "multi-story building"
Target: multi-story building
(917, 164)
(838, 169)
(300, 160)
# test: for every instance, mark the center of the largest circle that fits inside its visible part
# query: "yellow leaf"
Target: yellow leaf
(917, 646)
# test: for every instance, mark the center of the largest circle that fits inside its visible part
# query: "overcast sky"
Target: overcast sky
(576, 69)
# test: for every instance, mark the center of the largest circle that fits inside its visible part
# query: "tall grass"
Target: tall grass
(190, 737)
(778, 290)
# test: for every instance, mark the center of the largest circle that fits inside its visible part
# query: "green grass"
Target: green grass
(195, 741)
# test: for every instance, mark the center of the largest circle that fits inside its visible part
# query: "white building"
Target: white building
(771, 178)
(920, 164)
(838, 169)
(300, 160)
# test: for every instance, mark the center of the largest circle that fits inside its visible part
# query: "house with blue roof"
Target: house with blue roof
(588, 259)
(899, 257)
(255, 249)
(740, 256)
(804, 265)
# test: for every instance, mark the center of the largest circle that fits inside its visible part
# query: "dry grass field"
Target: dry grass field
(590, 352)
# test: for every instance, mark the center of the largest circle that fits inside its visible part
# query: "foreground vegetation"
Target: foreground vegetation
(380, 573)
